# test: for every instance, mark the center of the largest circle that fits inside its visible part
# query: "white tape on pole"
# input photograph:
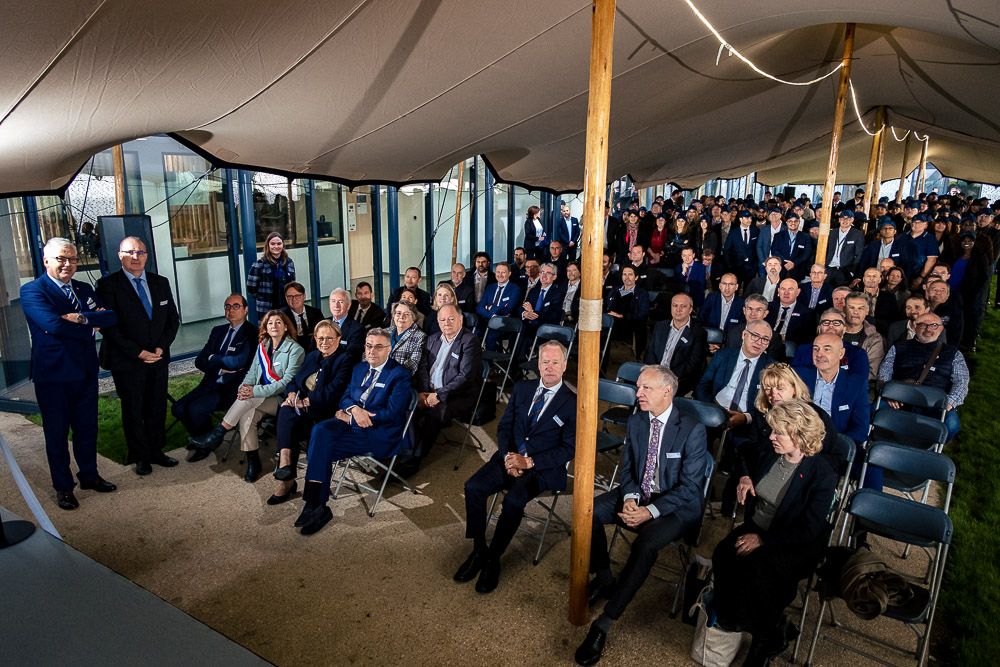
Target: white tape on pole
(27, 493)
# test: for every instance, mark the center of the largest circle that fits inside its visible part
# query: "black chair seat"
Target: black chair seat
(608, 441)
(616, 415)
(913, 611)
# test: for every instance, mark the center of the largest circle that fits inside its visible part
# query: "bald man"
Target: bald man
(788, 316)
(842, 395)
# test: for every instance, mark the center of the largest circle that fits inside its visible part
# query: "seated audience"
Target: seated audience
(303, 317)
(859, 332)
(680, 344)
(499, 300)
(444, 295)
(571, 300)
(363, 311)
(723, 309)
(610, 278)
(542, 305)
(855, 360)
(904, 329)
(815, 294)
(406, 295)
(483, 277)
(787, 315)
(885, 308)
(840, 297)
(532, 267)
(733, 376)
(629, 305)
(897, 284)
(406, 337)
(558, 258)
(754, 310)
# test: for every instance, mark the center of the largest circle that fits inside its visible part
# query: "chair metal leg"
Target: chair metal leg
(802, 619)
(816, 632)
(340, 483)
(545, 527)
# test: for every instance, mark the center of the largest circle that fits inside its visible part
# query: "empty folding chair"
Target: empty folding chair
(619, 414)
(547, 501)
(622, 398)
(711, 416)
(370, 464)
(499, 360)
(607, 322)
(547, 332)
(471, 321)
(485, 374)
(929, 400)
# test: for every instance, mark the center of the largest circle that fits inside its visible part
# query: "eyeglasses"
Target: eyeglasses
(293, 295)
(133, 253)
(757, 338)
(831, 323)
(233, 306)
(326, 339)
(729, 284)
(928, 325)
(550, 273)
(369, 346)
(67, 260)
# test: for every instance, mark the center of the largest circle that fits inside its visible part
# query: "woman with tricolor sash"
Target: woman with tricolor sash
(277, 360)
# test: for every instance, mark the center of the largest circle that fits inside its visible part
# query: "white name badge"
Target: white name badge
(844, 407)
(454, 355)
(683, 339)
(232, 349)
(556, 419)
(673, 455)
(850, 242)
(506, 298)
(165, 302)
(379, 384)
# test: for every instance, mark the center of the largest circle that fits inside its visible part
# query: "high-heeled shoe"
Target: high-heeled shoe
(284, 473)
(275, 499)
(253, 467)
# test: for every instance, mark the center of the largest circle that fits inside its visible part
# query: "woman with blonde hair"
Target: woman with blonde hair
(444, 295)
(788, 491)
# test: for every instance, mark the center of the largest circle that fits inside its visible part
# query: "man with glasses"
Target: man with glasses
(815, 294)
(303, 316)
(914, 306)
(224, 361)
(370, 420)
(137, 352)
(854, 360)
(63, 315)
(754, 309)
(945, 367)
(733, 376)
(723, 309)
(543, 305)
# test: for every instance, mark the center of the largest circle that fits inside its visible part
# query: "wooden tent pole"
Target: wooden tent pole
(118, 164)
(589, 336)
(874, 164)
(458, 212)
(838, 127)
(923, 165)
(902, 169)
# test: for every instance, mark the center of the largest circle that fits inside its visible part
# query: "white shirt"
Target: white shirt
(726, 305)
(548, 397)
(364, 397)
(570, 293)
(663, 418)
(823, 392)
(672, 339)
(437, 370)
(789, 309)
(885, 249)
(725, 396)
(769, 289)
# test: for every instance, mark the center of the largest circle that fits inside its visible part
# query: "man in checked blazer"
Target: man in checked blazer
(536, 438)
(137, 352)
(659, 497)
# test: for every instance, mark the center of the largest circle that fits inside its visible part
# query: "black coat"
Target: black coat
(135, 331)
(374, 316)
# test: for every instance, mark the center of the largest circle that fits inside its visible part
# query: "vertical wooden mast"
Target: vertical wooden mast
(838, 127)
(902, 170)
(458, 214)
(874, 181)
(589, 336)
(118, 164)
(923, 165)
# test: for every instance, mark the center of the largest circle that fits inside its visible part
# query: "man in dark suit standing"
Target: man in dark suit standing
(303, 316)
(680, 344)
(224, 360)
(363, 311)
(352, 333)
(660, 498)
(370, 419)
(566, 230)
(447, 380)
(465, 291)
(137, 352)
(843, 251)
(62, 316)
(740, 249)
(536, 438)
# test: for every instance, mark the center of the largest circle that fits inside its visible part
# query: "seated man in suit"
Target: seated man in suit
(947, 305)
(815, 294)
(520, 257)
(527, 282)
(363, 311)
(767, 284)
(370, 421)
(448, 381)
(542, 305)
(714, 268)
(680, 344)
(224, 360)
(62, 316)
(465, 291)
(558, 258)
(843, 395)
(536, 438)
(303, 316)
(637, 260)
(855, 360)
(483, 276)
(914, 307)
(691, 276)
(754, 309)
(787, 317)
(859, 332)
(352, 333)
(629, 305)
(659, 497)
(724, 308)
(610, 279)
(411, 280)
(499, 300)
(733, 376)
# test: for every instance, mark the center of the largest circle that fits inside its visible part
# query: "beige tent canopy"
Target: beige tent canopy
(395, 91)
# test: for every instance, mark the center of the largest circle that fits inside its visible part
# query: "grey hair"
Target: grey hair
(757, 298)
(550, 265)
(408, 305)
(343, 291)
(131, 238)
(55, 245)
(841, 289)
(380, 332)
(860, 296)
(667, 377)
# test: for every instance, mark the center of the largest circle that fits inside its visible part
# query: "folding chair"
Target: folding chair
(606, 323)
(546, 521)
(628, 373)
(471, 321)
(623, 396)
(791, 348)
(907, 522)
(503, 325)
(370, 464)
(715, 335)
(547, 332)
(907, 428)
(927, 399)
(485, 374)
(711, 416)
(685, 546)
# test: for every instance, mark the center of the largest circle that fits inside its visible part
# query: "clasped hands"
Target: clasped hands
(634, 515)
(362, 417)
(152, 357)
(292, 401)
(517, 464)
(529, 312)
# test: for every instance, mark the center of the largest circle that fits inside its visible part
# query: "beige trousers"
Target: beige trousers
(247, 413)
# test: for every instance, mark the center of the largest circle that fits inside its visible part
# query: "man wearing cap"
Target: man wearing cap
(843, 251)
(925, 249)
(740, 249)
(888, 245)
(799, 247)
(768, 244)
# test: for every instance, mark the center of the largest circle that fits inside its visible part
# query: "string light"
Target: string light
(861, 122)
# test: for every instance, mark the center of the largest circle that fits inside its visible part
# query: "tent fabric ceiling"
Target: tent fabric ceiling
(391, 91)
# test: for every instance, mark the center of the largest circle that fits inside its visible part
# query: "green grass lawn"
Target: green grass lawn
(111, 439)
(970, 597)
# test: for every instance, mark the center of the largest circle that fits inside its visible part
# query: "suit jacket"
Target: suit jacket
(695, 282)
(897, 332)
(550, 441)
(63, 351)
(824, 301)
(741, 258)
(409, 348)
(389, 399)
(800, 253)
(236, 357)
(466, 295)
(689, 355)
(374, 316)
(423, 299)
(681, 462)
(775, 350)
(531, 243)
(849, 409)
(565, 236)
(510, 301)
(710, 313)
(856, 358)
(632, 307)
(850, 253)
(756, 286)
(720, 372)
(461, 373)
(313, 316)
(333, 374)
(352, 338)
(285, 361)
(551, 311)
(135, 331)
(801, 322)
(765, 248)
(901, 252)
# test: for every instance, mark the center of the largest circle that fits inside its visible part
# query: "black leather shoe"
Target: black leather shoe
(304, 517)
(199, 454)
(66, 500)
(163, 460)
(470, 568)
(317, 519)
(143, 468)
(253, 467)
(275, 499)
(210, 440)
(284, 473)
(489, 577)
(597, 592)
(98, 484)
(589, 652)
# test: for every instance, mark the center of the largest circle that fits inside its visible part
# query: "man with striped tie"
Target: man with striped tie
(536, 438)
(63, 315)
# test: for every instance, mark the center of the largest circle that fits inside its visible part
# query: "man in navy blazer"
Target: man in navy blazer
(536, 438)
(63, 315)
(447, 380)
(692, 276)
(733, 376)
(843, 251)
(815, 294)
(543, 305)
(740, 250)
(370, 420)
(567, 231)
(724, 308)
(137, 352)
(352, 332)
(843, 395)
(680, 343)
(500, 299)
(797, 246)
(770, 243)
(788, 317)
(224, 361)
(659, 497)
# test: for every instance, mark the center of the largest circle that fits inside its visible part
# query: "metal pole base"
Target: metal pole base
(12, 532)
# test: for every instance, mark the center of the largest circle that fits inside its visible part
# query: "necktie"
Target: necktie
(359, 315)
(781, 319)
(366, 386)
(496, 299)
(299, 326)
(746, 238)
(741, 385)
(72, 297)
(142, 297)
(227, 340)
(646, 488)
(536, 409)
(541, 299)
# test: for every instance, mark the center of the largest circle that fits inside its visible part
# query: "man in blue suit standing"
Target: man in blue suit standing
(740, 249)
(499, 300)
(536, 438)
(63, 315)
(659, 497)
(567, 230)
(770, 242)
(371, 418)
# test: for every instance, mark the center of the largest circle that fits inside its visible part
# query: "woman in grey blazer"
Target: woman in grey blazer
(406, 337)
